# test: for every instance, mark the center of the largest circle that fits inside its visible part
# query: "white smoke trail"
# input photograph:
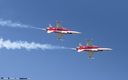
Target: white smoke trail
(9, 23)
(25, 45)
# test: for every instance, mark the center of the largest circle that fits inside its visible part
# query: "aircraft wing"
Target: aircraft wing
(59, 36)
(58, 25)
(90, 54)
(88, 43)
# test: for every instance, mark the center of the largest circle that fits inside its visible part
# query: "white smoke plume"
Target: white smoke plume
(9, 23)
(25, 45)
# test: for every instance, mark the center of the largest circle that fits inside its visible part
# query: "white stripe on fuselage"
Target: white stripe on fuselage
(63, 32)
(98, 49)
(68, 32)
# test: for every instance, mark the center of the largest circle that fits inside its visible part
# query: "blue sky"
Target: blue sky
(103, 21)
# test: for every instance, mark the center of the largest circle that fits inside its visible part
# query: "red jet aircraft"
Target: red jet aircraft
(60, 30)
(90, 48)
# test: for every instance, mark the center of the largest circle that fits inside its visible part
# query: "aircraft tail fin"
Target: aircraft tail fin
(50, 25)
(80, 44)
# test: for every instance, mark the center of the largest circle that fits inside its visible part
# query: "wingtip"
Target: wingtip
(60, 39)
(88, 39)
(91, 58)
(58, 21)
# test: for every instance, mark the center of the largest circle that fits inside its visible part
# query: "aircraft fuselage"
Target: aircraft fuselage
(62, 31)
(92, 49)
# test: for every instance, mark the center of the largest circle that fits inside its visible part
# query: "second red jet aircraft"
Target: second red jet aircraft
(90, 48)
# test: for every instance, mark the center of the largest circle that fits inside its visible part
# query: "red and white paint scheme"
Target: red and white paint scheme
(60, 30)
(90, 48)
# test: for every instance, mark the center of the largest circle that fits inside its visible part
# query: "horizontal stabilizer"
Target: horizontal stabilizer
(49, 31)
(80, 51)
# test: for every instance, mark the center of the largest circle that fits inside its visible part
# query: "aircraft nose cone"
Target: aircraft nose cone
(110, 49)
(107, 49)
(79, 33)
